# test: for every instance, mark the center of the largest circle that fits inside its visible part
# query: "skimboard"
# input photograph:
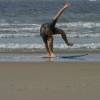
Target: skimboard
(72, 56)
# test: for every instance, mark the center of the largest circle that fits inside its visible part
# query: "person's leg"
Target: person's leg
(63, 35)
(45, 40)
(44, 29)
(50, 45)
(46, 34)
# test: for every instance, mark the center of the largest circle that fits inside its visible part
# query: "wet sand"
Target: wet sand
(50, 81)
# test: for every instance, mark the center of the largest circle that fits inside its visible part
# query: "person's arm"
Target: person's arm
(60, 12)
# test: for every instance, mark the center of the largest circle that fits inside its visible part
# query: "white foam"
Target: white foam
(21, 24)
(70, 24)
(66, 24)
(41, 46)
(80, 24)
(34, 28)
(76, 46)
(18, 35)
(87, 45)
(92, 0)
(19, 27)
(79, 35)
(22, 34)
(16, 29)
(84, 35)
(20, 46)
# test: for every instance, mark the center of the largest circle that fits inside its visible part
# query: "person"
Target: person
(47, 30)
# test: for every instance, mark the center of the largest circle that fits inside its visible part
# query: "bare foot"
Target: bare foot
(53, 55)
(49, 55)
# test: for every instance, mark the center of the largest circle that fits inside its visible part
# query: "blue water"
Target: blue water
(20, 21)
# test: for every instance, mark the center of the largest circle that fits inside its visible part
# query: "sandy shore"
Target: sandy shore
(50, 81)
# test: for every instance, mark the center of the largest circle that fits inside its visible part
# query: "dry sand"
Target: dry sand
(50, 81)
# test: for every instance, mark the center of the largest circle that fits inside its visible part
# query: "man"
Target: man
(48, 29)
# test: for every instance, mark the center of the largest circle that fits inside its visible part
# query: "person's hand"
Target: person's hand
(70, 44)
(66, 5)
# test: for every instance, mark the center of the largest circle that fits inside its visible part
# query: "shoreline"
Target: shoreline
(61, 56)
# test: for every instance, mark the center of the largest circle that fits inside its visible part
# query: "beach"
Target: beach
(49, 80)
(26, 73)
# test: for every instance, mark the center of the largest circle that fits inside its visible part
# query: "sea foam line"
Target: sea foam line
(80, 24)
(23, 34)
(18, 35)
(70, 24)
(41, 46)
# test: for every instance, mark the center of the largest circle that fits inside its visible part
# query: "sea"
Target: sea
(20, 22)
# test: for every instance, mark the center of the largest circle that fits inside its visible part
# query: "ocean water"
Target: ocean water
(20, 23)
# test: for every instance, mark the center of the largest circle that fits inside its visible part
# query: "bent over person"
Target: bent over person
(48, 29)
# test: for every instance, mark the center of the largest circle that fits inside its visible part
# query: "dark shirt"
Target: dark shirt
(50, 26)
(52, 23)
